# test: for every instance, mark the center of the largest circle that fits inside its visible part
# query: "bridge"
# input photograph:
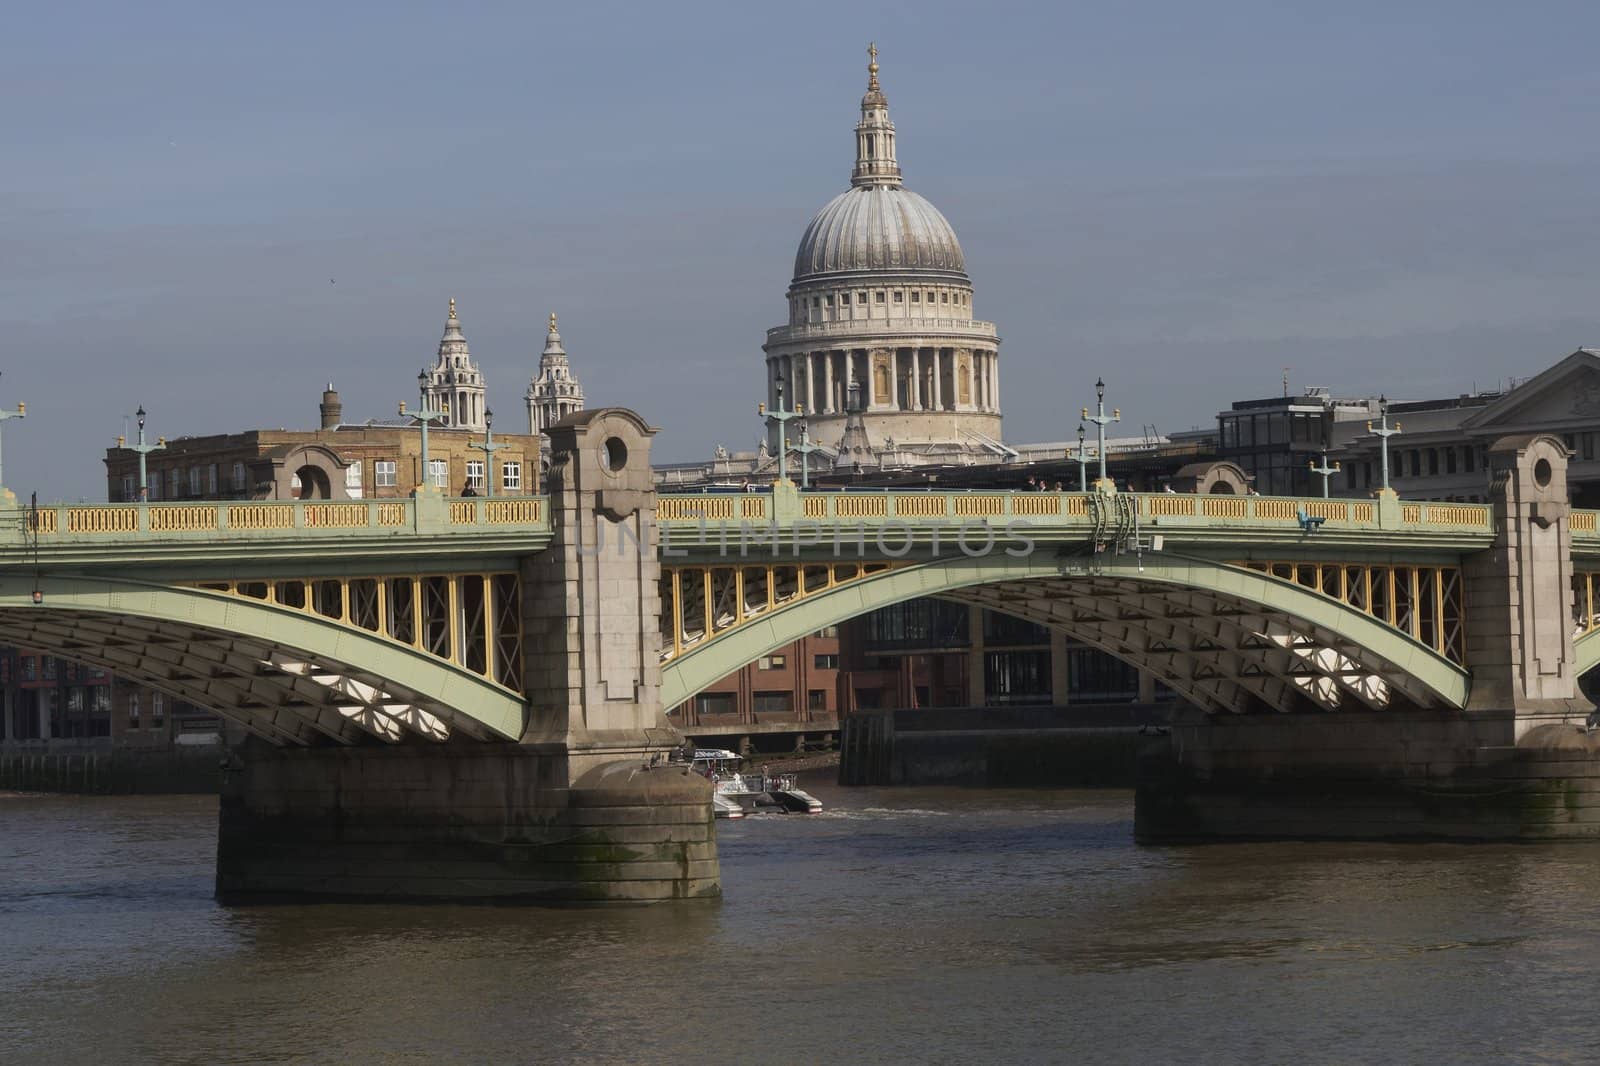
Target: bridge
(464, 697)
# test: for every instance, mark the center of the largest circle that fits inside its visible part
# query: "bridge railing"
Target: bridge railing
(246, 518)
(1044, 508)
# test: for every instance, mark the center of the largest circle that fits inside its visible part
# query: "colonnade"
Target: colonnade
(900, 379)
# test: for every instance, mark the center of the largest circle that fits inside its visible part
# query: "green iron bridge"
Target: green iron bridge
(385, 620)
(463, 698)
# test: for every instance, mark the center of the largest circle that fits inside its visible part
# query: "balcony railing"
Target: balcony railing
(908, 326)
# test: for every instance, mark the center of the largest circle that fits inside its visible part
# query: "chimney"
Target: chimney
(332, 409)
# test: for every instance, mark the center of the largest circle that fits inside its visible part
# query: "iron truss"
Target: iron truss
(1219, 652)
(471, 620)
(1426, 603)
(280, 694)
(701, 603)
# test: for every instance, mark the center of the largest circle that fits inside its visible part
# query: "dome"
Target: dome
(879, 228)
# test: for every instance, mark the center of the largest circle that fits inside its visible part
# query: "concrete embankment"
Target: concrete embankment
(999, 747)
(118, 772)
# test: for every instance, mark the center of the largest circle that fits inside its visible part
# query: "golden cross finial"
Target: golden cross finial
(552, 321)
(452, 307)
(872, 67)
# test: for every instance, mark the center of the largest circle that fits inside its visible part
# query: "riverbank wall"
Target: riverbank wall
(999, 747)
(119, 771)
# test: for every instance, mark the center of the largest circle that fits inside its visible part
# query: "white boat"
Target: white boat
(737, 794)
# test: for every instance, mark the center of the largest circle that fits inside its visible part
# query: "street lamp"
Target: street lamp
(805, 448)
(423, 415)
(781, 416)
(1101, 419)
(1383, 433)
(21, 411)
(144, 449)
(1325, 470)
(488, 448)
(1083, 463)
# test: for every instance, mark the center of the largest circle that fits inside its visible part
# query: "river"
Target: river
(904, 925)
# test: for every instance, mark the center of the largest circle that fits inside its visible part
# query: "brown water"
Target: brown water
(900, 926)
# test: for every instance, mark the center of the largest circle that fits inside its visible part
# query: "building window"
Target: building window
(815, 302)
(238, 477)
(174, 483)
(211, 479)
(383, 471)
(829, 300)
(127, 487)
(195, 486)
(47, 667)
(774, 703)
(1466, 458)
(772, 662)
(944, 297)
(916, 297)
(825, 662)
(826, 632)
(861, 297)
(817, 700)
(714, 703)
(511, 477)
(879, 296)
(1449, 460)
(899, 297)
(439, 473)
(475, 474)
(29, 668)
(133, 710)
(158, 710)
(1433, 461)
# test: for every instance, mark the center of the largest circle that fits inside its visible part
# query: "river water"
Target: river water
(900, 925)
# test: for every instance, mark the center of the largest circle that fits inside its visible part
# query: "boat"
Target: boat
(737, 794)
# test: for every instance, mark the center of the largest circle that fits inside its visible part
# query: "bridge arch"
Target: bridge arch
(1585, 652)
(1225, 637)
(288, 676)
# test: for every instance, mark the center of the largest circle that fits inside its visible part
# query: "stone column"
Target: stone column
(1060, 676)
(1519, 591)
(994, 381)
(975, 669)
(869, 387)
(914, 391)
(827, 383)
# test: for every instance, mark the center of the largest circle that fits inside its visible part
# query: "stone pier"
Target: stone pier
(582, 808)
(1517, 764)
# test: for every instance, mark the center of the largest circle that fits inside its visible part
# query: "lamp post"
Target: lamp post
(781, 416)
(1083, 463)
(21, 411)
(423, 415)
(1383, 433)
(1101, 420)
(1325, 470)
(488, 448)
(805, 448)
(144, 449)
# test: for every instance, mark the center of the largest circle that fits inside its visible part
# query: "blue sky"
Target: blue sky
(214, 209)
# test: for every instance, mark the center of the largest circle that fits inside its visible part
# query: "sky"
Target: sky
(214, 210)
